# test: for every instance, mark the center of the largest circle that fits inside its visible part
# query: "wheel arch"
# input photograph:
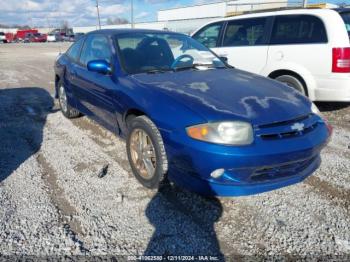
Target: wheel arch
(293, 69)
(281, 72)
(129, 114)
(133, 112)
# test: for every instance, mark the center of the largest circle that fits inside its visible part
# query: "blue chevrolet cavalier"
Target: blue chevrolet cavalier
(187, 115)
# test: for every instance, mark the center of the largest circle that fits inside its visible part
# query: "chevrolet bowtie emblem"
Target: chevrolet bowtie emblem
(298, 127)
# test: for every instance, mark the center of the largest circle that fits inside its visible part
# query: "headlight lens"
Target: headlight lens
(229, 133)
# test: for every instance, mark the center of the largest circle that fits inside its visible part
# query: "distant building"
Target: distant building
(323, 5)
(218, 9)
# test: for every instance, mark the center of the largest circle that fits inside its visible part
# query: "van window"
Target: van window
(246, 32)
(346, 18)
(209, 35)
(298, 29)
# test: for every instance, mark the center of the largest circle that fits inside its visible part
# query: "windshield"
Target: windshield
(346, 18)
(159, 52)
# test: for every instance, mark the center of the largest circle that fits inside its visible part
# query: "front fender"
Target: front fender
(167, 113)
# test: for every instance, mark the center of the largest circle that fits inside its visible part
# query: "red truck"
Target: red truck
(9, 37)
(22, 34)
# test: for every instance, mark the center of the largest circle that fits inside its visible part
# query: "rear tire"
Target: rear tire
(293, 82)
(148, 158)
(66, 109)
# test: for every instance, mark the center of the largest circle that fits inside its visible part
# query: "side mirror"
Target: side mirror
(223, 59)
(99, 66)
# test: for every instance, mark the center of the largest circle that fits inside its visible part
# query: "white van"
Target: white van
(308, 49)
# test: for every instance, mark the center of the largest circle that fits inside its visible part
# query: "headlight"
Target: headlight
(315, 110)
(229, 133)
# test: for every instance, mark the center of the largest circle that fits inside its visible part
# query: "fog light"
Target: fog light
(217, 173)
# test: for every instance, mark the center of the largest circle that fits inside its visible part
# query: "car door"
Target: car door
(96, 90)
(244, 43)
(73, 54)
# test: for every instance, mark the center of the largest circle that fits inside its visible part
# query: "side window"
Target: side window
(346, 18)
(298, 29)
(96, 47)
(246, 32)
(74, 51)
(209, 35)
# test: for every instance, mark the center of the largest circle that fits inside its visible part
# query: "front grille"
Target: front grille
(291, 121)
(288, 129)
(281, 171)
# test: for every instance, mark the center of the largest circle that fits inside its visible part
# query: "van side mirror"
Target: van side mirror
(99, 66)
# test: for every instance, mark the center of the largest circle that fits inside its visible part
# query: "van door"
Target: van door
(244, 43)
(299, 43)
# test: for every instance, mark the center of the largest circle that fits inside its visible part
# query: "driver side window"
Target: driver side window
(209, 35)
(96, 47)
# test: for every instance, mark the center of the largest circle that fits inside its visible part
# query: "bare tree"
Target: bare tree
(64, 24)
(342, 4)
(15, 26)
(117, 21)
(65, 27)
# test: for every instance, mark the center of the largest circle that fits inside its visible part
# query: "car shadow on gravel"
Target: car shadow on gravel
(332, 106)
(23, 113)
(184, 224)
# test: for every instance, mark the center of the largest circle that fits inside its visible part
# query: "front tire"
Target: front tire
(66, 109)
(146, 152)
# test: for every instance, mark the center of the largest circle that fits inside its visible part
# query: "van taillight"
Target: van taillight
(341, 60)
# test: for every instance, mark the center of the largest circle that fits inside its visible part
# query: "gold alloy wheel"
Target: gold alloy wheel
(143, 154)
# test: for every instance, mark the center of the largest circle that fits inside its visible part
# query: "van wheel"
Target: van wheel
(293, 82)
(146, 152)
(66, 109)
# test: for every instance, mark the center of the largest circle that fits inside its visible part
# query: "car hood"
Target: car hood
(226, 94)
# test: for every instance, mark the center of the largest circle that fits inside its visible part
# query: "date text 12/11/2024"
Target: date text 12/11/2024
(173, 258)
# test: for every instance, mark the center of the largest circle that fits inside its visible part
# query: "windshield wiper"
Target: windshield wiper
(156, 71)
(195, 65)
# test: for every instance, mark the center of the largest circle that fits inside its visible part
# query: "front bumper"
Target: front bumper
(262, 166)
(336, 88)
(210, 187)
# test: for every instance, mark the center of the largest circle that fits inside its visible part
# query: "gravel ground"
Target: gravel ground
(53, 202)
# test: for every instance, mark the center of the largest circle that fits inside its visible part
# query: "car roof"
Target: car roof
(128, 30)
(342, 10)
(293, 11)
